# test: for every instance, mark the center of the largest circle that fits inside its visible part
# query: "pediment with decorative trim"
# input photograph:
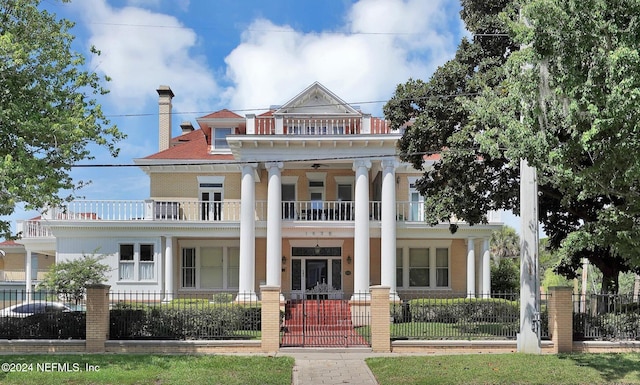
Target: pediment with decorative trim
(317, 100)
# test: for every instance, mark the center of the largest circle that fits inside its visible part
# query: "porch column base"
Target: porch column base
(361, 297)
(247, 297)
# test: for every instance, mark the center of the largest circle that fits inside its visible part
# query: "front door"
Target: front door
(316, 276)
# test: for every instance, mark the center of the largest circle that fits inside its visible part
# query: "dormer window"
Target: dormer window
(220, 138)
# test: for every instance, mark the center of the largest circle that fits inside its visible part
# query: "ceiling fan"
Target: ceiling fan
(316, 166)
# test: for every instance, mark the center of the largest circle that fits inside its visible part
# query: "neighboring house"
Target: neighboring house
(309, 196)
(14, 265)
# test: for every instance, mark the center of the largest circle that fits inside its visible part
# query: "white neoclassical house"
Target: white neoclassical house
(309, 196)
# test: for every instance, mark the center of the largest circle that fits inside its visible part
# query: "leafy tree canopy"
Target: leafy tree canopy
(71, 278)
(48, 111)
(566, 103)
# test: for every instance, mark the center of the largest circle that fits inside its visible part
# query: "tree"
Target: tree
(504, 243)
(565, 103)
(505, 277)
(70, 279)
(48, 111)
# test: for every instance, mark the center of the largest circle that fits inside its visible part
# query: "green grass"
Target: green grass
(508, 369)
(438, 330)
(152, 369)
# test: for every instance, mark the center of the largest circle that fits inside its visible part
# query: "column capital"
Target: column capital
(274, 165)
(361, 163)
(390, 163)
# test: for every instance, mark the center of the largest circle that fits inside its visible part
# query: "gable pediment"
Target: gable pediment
(317, 100)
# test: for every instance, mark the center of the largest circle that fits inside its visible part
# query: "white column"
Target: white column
(274, 224)
(529, 336)
(486, 269)
(28, 279)
(169, 286)
(471, 268)
(388, 227)
(246, 291)
(361, 231)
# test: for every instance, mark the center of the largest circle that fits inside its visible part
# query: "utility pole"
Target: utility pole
(529, 336)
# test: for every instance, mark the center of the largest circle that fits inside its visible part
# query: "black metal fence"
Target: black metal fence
(606, 317)
(435, 316)
(40, 315)
(137, 315)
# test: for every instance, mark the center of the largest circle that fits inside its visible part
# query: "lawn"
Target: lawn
(508, 369)
(145, 369)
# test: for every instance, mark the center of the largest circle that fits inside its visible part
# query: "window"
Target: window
(442, 267)
(189, 267)
(127, 263)
(137, 262)
(419, 267)
(399, 269)
(220, 138)
(210, 267)
(146, 262)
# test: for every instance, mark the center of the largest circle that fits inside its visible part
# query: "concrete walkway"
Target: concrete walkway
(331, 367)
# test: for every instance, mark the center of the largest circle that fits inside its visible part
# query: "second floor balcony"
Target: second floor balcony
(214, 211)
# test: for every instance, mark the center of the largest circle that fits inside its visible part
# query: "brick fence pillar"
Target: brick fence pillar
(97, 321)
(380, 314)
(270, 318)
(560, 307)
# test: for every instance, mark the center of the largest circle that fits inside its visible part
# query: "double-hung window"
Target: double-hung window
(127, 263)
(423, 266)
(209, 266)
(136, 262)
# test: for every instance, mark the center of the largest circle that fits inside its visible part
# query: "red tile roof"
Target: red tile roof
(191, 146)
(222, 114)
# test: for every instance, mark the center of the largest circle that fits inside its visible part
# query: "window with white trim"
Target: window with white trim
(427, 266)
(147, 263)
(136, 262)
(220, 138)
(442, 267)
(210, 267)
(127, 263)
(399, 269)
(419, 267)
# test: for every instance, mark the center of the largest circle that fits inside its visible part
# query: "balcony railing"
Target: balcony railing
(320, 126)
(21, 275)
(208, 211)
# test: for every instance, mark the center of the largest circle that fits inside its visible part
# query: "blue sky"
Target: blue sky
(245, 55)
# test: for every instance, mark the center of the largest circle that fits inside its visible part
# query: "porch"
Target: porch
(186, 210)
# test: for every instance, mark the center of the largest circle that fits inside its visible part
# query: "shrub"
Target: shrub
(170, 321)
(456, 309)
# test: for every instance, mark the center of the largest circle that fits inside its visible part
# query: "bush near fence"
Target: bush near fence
(63, 325)
(453, 310)
(606, 317)
(184, 319)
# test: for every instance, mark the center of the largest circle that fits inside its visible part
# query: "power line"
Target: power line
(240, 110)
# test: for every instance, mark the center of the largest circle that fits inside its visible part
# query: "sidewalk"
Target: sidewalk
(331, 367)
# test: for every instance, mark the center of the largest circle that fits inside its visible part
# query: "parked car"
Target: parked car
(27, 309)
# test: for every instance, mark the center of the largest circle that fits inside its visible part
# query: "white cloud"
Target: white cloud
(383, 43)
(139, 59)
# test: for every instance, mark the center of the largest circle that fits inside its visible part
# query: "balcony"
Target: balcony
(318, 126)
(21, 276)
(211, 211)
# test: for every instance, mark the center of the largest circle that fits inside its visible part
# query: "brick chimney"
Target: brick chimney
(164, 116)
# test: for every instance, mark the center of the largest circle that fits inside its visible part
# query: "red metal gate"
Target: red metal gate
(323, 323)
